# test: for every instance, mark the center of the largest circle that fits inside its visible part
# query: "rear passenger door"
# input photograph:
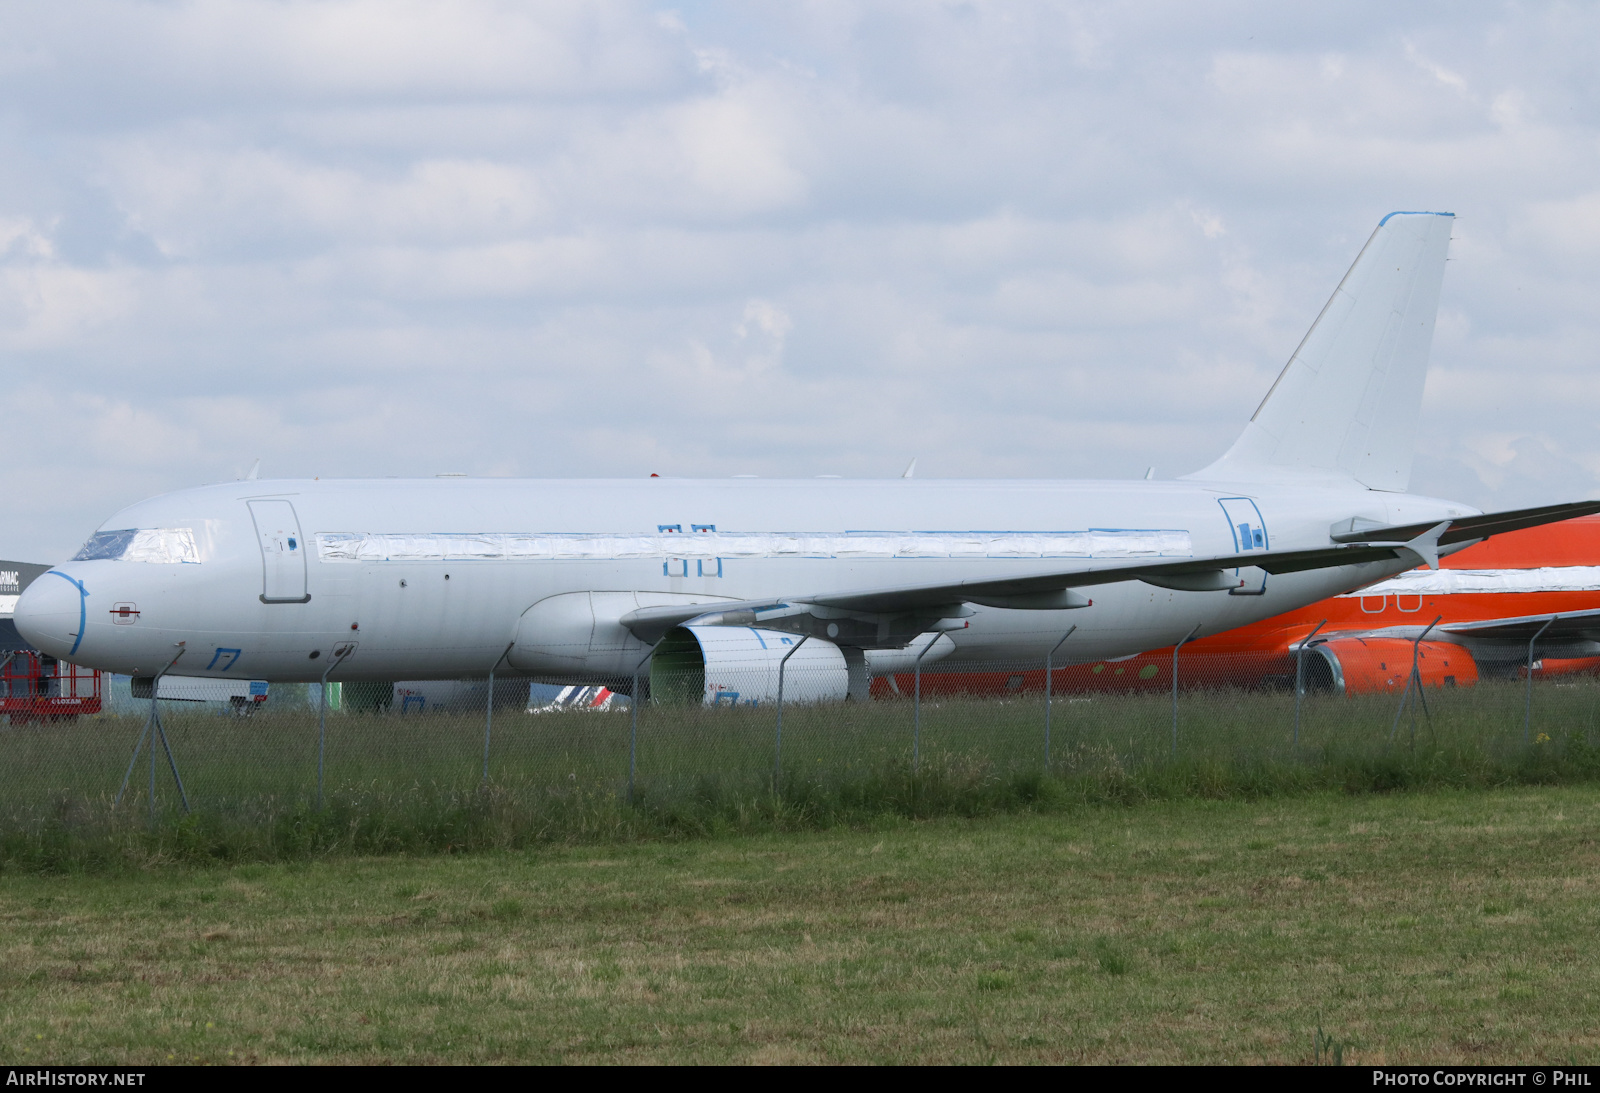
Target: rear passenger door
(1249, 532)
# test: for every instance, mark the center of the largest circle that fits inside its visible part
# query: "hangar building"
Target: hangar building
(33, 686)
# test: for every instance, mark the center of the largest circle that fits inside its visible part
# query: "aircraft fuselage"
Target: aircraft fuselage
(430, 578)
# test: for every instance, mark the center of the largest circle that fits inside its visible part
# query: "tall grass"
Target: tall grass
(412, 784)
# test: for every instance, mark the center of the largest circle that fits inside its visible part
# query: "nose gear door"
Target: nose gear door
(1249, 534)
(283, 552)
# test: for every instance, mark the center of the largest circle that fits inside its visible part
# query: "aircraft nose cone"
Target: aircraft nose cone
(50, 614)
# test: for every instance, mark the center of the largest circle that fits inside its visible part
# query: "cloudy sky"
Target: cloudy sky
(386, 237)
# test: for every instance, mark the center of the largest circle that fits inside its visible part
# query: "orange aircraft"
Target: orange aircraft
(1484, 614)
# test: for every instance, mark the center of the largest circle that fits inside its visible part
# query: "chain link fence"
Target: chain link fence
(255, 754)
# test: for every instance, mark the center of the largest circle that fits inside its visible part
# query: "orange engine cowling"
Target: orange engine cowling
(1355, 666)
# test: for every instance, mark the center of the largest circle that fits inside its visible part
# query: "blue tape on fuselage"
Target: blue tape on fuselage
(83, 607)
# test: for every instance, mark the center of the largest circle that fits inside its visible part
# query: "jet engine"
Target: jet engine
(1372, 665)
(578, 635)
(738, 666)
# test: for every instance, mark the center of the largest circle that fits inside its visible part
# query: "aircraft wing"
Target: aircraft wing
(922, 605)
(890, 616)
(1192, 574)
(1558, 627)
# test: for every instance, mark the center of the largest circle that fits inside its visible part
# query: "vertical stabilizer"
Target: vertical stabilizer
(1347, 401)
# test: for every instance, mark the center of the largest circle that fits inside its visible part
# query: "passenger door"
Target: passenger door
(283, 552)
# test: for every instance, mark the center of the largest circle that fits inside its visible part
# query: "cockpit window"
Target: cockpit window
(104, 545)
(169, 546)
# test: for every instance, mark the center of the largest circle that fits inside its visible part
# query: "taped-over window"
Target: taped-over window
(169, 546)
(1449, 582)
(451, 546)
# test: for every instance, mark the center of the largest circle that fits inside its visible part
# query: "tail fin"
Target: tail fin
(1347, 401)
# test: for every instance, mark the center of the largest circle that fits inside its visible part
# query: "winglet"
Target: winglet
(1425, 547)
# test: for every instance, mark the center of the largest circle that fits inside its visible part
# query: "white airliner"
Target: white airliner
(715, 582)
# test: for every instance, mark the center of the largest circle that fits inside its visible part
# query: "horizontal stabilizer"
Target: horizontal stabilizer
(1465, 529)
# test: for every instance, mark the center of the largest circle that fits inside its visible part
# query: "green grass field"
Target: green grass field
(415, 783)
(1429, 926)
(899, 893)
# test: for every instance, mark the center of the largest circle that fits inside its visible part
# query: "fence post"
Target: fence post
(1175, 650)
(149, 733)
(633, 726)
(488, 717)
(777, 754)
(1414, 679)
(1047, 690)
(1299, 677)
(160, 731)
(1527, 705)
(916, 705)
(322, 720)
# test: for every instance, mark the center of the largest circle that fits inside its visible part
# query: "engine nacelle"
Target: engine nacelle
(577, 636)
(738, 666)
(1356, 666)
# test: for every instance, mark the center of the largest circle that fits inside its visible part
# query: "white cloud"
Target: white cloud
(200, 203)
(202, 57)
(391, 237)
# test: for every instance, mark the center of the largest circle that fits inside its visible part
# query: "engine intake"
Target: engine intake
(738, 666)
(1355, 666)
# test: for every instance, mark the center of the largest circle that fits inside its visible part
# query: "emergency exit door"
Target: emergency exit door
(1249, 534)
(283, 552)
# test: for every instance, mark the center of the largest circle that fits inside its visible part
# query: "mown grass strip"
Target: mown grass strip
(1433, 926)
